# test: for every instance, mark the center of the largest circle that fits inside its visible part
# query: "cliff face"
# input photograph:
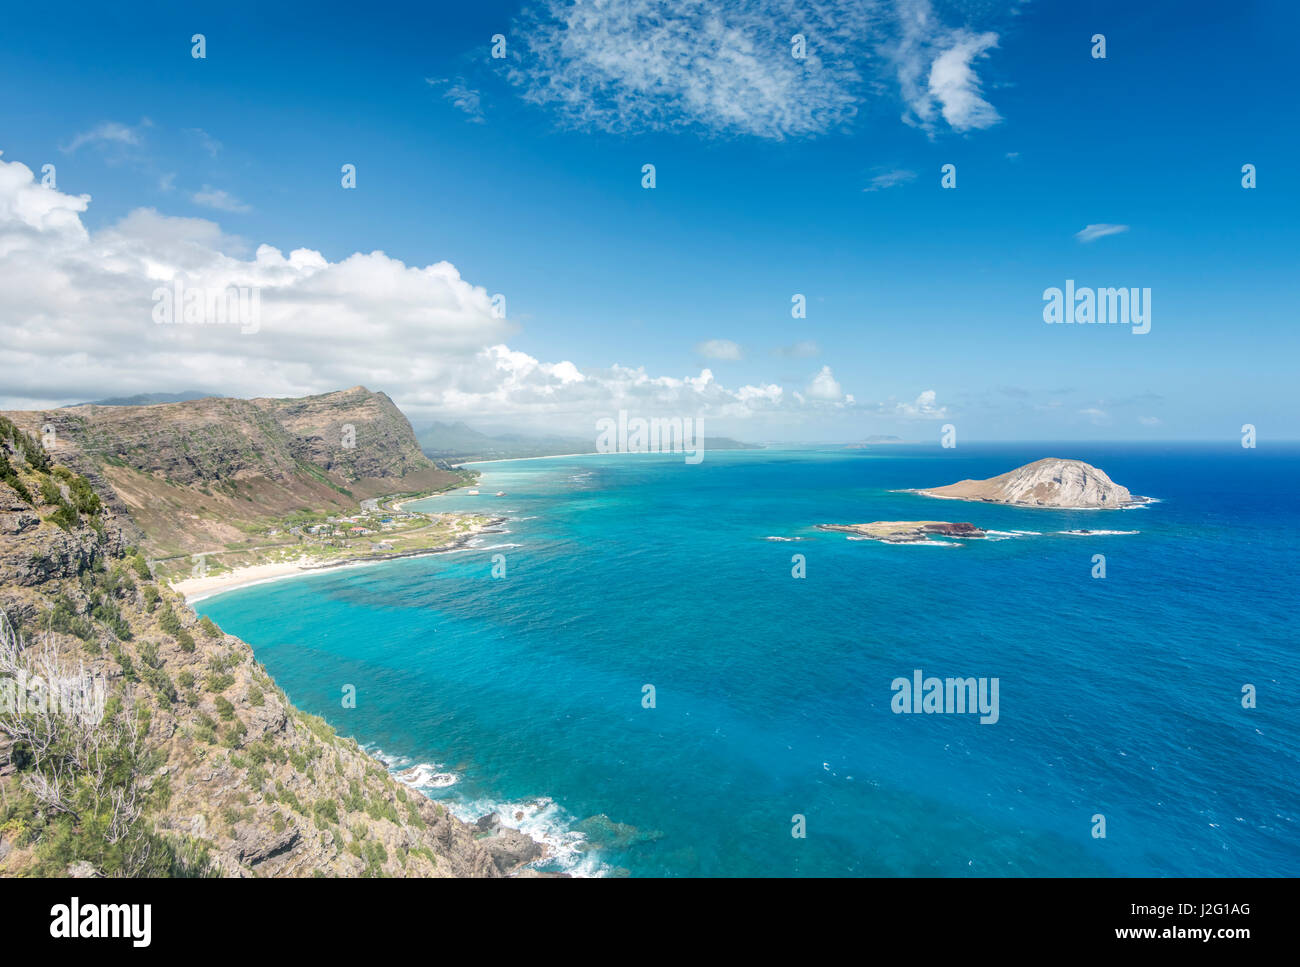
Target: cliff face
(1051, 482)
(197, 764)
(199, 475)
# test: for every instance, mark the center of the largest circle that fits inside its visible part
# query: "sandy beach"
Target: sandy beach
(196, 589)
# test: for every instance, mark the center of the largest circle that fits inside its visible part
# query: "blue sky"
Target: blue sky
(924, 304)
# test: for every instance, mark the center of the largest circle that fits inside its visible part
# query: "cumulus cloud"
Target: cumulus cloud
(923, 407)
(1090, 233)
(825, 386)
(77, 323)
(644, 65)
(719, 349)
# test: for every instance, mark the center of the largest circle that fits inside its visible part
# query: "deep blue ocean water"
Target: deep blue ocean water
(1118, 696)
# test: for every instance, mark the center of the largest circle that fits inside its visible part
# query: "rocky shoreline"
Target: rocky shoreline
(904, 531)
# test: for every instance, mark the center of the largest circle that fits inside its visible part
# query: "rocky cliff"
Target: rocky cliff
(1050, 482)
(200, 475)
(172, 752)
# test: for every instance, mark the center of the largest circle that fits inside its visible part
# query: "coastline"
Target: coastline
(197, 589)
(549, 456)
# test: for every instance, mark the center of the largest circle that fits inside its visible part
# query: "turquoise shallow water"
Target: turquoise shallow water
(1119, 697)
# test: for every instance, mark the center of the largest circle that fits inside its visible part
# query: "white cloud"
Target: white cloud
(804, 349)
(464, 98)
(643, 65)
(955, 87)
(1090, 233)
(219, 199)
(109, 133)
(719, 349)
(1096, 416)
(77, 323)
(889, 179)
(205, 141)
(935, 69)
(1149, 420)
(824, 386)
(922, 408)
(640, 64)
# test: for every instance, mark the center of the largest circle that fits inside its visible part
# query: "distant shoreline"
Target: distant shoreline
(549, 456)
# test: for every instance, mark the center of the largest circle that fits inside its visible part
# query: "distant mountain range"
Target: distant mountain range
(149, 399)
(456, 441)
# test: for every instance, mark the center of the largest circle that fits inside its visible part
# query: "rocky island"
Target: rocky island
(1050, 482)
(904, 531)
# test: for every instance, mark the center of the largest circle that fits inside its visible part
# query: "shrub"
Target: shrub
(325, 810)
(219, 683)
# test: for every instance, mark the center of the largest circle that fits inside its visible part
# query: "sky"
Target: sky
(501, 262)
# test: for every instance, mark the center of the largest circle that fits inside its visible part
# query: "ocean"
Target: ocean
(1120, 698)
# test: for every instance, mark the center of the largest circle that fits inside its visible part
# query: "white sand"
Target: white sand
(196, 588)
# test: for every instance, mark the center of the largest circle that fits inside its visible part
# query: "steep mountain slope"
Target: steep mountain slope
(136, 739)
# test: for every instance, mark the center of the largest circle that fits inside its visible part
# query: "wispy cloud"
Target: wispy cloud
(1090, 233)
(719, 349)
(643, 65)
(205, 141)
(220, 199)
(464, 98)
(889, 179)
(109, 133)
(935, 69)
(804, 349)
